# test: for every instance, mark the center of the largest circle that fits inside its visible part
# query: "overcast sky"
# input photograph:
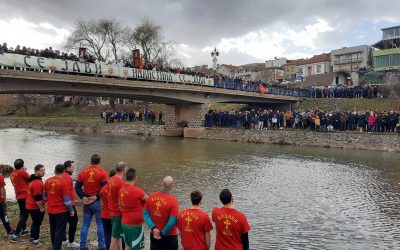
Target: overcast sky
(244, 31)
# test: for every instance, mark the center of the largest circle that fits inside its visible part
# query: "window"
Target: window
(318, 68)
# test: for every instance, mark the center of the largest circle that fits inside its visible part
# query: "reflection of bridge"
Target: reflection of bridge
(184, 102)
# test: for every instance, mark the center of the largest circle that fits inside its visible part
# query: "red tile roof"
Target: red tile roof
(231, 67)
(315, 59)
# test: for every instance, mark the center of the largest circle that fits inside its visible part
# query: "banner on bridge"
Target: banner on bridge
(99, 69)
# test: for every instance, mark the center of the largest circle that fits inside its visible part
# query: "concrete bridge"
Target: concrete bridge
(184, 102)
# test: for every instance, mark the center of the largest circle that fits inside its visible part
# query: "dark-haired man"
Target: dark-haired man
(88, 185)
(59, 206)
(161, 214)
(131, 200)
(195, 225)
(19, 178)
(72, 220)
(114, 185)
(35, 202)
(231, 225)
(105, 212)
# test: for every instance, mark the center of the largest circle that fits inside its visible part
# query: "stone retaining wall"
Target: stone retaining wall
(374, 141)
(381, 142)
(125, 128)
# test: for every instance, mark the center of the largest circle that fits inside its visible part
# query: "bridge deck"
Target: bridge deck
(43, 82)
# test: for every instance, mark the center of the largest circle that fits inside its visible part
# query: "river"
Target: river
(294, 197)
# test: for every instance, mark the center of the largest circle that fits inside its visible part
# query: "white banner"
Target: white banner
(62, 65)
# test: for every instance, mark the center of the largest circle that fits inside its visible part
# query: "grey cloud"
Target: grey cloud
(206, 22)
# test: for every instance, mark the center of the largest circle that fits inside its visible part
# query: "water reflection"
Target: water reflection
(294, 197)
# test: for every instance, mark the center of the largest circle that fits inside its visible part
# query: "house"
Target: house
(291, 69)
(318, 64)
(387, 57)
(250, 72)
(227, 70)
(349, 62)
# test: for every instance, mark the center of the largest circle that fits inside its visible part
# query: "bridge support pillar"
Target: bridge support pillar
(191, 115)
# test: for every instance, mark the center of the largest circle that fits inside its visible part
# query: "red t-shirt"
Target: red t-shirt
(114, 185)
(230, 224)
(193, 224)
(105, 213)
(19, 179)
(2, 184)
(161, 206)
(132, 205)
(92, 177)
(35, 188)
(56, 189)
(68, 179)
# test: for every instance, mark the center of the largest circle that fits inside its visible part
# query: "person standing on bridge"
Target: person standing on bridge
(194, 225)
(88, 185)
(160, 214)
(231, 225)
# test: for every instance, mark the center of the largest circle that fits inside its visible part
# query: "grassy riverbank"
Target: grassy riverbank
(13, 213)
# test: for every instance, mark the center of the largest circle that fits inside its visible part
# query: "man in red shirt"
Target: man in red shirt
(35, 202)
(160, 214)
(3, 208)
(231, 225)
(88, 185)
(195, 225)
(105, 212)
(59, 206)
(19, 178)
(72, 220)
(131, 200)
(114, 185)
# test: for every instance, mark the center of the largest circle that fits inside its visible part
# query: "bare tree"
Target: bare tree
(149, 38)
(115, 36)
(92, 35)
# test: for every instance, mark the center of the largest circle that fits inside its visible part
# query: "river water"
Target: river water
(293, 197)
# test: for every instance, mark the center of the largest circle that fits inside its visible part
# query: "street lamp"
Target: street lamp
(214, 55)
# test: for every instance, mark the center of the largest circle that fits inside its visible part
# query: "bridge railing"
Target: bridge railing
(43, 64)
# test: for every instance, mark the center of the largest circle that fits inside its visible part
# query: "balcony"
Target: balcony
(347, 61)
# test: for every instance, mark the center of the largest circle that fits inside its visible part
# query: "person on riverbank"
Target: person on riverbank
(59, 206)
(231, 225)
(88, 185)
(160, 214)
(35, 202)
(72, 220)
(3, 207)
(105, 212)
(131, 199)
(194, 225)
(114, 185)
(19, 178)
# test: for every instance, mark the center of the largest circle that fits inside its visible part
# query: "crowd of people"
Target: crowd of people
(149, 117)
(318, 120)
(220, 81)
(120, 209)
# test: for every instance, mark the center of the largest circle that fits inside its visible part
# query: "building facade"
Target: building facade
(319, 64)
(227, 70)
(276, 63)
(250, 72)
(348, 62)
(387, 57)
